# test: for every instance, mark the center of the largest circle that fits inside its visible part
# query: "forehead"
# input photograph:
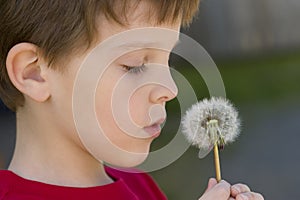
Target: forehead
(142, 38)
(139, 16)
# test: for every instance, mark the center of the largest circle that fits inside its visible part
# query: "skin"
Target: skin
(224, 190)
(48, 146)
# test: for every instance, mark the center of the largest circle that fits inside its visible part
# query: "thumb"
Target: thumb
(220, 191)
(211, 183)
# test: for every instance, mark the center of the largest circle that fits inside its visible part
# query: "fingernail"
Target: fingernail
(244, 197)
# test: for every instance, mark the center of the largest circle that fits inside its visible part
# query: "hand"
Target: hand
(223, 191)
(242, 192)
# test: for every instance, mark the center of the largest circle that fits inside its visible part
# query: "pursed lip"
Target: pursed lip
(154, 129)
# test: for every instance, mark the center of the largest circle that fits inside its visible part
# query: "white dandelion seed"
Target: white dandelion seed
(199, 119)
(210, 124)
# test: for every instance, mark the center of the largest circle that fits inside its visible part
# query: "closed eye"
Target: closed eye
(135, 69)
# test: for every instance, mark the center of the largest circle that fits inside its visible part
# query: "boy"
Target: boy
(43, 45)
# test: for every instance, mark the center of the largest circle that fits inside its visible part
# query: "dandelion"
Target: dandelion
(211, 124)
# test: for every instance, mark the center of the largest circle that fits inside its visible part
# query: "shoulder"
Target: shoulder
(140, 183)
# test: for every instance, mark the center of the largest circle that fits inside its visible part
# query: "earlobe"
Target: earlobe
(26, 73)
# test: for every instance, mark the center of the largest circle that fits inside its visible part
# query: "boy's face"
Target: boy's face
(145, 104)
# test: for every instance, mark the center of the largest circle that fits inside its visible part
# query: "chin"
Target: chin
(130, 161)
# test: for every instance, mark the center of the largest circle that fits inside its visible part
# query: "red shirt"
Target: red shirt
(127, 186)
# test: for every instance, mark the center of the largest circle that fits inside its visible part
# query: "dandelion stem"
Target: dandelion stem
(217, 163)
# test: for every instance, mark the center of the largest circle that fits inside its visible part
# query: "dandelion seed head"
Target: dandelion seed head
(194, 123)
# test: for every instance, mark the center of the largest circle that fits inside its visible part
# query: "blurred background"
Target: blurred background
(256, 46)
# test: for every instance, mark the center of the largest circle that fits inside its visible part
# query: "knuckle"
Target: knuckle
(242, 187)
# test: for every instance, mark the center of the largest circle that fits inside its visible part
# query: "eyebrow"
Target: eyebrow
(144, 44)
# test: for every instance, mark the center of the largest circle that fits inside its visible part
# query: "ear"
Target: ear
(26, 71)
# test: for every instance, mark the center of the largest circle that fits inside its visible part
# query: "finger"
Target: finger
(218, 191)
(211, 183)
(239, 188)
(249, 196)
(231, 198)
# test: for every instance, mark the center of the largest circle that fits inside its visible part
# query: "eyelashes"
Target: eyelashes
(135, 69)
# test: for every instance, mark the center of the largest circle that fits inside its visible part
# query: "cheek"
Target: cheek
(107, 120)
(103, 101)
(127, 103)
(132, 108)
(138, 107)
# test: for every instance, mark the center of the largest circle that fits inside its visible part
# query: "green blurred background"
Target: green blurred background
(256, 46)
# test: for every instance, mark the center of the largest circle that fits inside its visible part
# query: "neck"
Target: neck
(43, 154)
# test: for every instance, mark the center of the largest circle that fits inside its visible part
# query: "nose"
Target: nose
(162, 93)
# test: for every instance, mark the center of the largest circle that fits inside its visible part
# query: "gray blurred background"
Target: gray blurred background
(256, 46)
